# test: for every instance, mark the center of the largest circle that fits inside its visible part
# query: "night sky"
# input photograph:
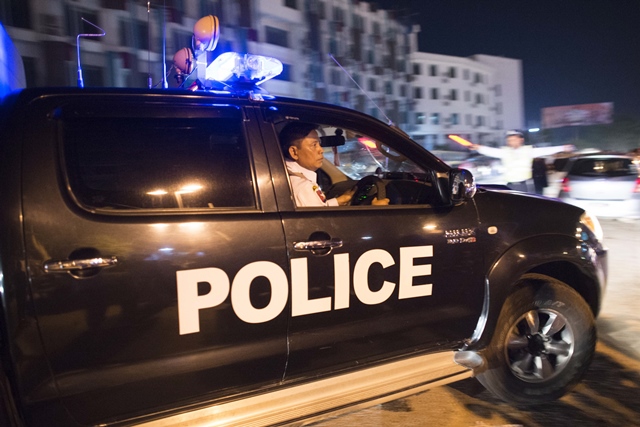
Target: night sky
(573, 51)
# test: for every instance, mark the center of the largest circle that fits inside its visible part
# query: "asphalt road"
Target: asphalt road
(608, 396)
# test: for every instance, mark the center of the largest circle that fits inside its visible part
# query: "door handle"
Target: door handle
(313, 245)
(79, 264)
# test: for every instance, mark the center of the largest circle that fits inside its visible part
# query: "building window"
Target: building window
(373, 87)
(388, 88)
(336, 77)
(434, 93)
(212, 7)
(75, 25)
(453, 95)
(333, 46)
(136, 34)
(477, 78)
(404, 116)
(434, 119)
(479, 121)
(452, 72)
(417, 93)
(455, 119)
(417, 69)
(277, 36)
(403, 91)
(479, 98)
(433, 70)
(376, 29)
(16, 13)
(293, 4)
(285, 74)
(421, 118)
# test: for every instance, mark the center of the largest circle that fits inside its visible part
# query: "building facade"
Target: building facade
(345, 52)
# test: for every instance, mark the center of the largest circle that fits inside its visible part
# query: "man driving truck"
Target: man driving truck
(303, 154)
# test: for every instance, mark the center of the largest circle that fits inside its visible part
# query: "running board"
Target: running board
(327, 397)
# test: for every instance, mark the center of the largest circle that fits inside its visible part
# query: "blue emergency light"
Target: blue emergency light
(236, 69)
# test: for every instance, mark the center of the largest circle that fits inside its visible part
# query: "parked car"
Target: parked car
(155, 269)
(608, 185)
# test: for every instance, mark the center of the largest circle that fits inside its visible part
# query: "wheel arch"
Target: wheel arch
(558, 257)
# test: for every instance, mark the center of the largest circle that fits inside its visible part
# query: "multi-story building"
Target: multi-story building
(476, 98)
(345, 52)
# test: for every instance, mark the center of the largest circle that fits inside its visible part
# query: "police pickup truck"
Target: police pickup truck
(156, 270)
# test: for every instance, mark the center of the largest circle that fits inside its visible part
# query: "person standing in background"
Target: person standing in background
(517, 158)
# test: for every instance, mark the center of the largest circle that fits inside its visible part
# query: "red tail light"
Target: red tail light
(637, 190)
(567, 188)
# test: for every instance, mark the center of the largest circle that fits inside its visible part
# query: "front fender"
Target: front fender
(578, 263)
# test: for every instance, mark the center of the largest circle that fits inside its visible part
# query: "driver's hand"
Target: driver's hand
(381, 202)
(345, 198)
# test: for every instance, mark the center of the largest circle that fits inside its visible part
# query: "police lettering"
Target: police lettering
(190, 302)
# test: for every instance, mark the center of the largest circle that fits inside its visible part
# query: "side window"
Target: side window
(133, 163)
(364, 159)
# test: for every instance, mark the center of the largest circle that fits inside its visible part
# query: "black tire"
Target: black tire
(543, 343)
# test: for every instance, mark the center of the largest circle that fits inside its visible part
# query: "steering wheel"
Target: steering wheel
(366, 189)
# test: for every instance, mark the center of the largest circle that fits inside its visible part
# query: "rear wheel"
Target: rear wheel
(543, 344)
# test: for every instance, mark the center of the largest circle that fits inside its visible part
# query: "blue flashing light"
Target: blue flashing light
(12, 76)
(232, 68)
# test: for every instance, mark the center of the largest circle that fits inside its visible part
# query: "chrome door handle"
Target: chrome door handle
(79, 264)
(317, 244)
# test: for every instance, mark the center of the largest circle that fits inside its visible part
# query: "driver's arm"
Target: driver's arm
(345, 198)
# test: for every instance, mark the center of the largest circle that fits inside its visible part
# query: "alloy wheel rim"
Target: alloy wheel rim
(539, 345)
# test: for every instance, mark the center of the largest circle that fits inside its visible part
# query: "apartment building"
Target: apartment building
(345, 52)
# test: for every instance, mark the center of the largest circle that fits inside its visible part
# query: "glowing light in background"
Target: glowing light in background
(461, 140)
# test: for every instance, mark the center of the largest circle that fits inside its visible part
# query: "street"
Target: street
(608, 396)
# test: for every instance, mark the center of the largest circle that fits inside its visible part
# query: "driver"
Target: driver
(303, 152)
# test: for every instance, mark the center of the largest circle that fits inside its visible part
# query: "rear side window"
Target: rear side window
(604, 167)
(132, 163)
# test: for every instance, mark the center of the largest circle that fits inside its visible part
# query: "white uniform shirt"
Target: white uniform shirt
(306, 191)
(518, 161)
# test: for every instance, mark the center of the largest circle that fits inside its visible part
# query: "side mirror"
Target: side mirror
(462, 185)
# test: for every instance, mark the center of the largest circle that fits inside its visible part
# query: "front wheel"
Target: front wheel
(543, 344)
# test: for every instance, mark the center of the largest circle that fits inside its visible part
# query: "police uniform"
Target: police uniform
(306, 191)
(518, 161)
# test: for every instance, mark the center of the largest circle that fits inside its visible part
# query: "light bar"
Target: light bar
(235, 68)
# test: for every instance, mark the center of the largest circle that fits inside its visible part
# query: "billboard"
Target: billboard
(577, 115)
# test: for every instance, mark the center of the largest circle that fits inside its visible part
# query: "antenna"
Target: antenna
(164, 45)
(149, 78)
(80, 80)
(390, 122)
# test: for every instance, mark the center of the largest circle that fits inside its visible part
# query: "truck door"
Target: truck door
(139, 217)
(373, 282)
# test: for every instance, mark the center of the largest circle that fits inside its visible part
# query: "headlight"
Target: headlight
(592, 223)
